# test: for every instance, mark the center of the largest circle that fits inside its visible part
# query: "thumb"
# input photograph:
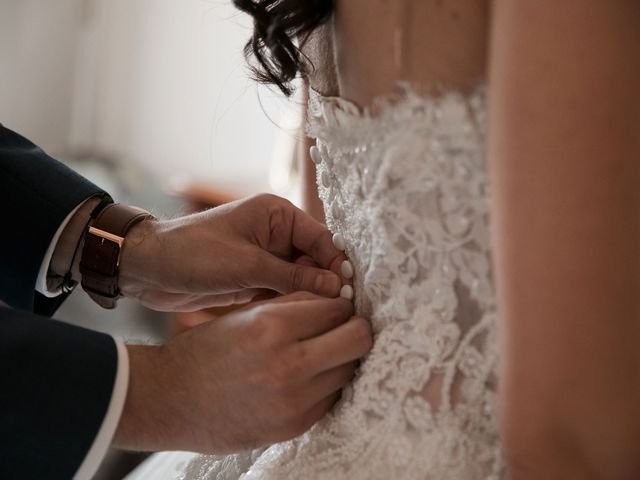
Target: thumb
(287, 277)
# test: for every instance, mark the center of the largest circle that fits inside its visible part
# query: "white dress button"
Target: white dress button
(336, 211)
(338, 242)
(315, 155)
(326, 158)
(346, 292)
(346, 269)
(326, 179)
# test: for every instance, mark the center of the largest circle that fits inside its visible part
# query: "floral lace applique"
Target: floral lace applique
(408, 191)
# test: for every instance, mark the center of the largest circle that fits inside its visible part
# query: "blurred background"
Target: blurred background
(151, 100)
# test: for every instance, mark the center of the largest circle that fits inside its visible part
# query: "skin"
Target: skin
(563, 151)
(563, 156)
(443, 45)
(223, 256)
(262, 374)
(257, 376)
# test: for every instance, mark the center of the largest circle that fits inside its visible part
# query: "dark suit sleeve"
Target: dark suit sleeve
(36, 194)
(56, 380)
(55, 387)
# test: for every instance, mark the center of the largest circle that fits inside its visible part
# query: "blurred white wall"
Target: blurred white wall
(160, 82)
(37, 58)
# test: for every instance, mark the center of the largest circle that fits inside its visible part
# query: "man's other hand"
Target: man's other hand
(260, 375)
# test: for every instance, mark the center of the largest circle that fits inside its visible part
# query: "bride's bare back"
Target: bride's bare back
(373, 44)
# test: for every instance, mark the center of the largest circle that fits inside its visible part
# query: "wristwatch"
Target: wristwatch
(103, 243)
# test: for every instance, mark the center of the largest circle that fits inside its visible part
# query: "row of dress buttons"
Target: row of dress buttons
(346, 269)
(325, 178)
(316, 156)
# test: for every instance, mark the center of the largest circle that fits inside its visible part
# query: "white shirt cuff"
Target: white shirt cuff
(42, 285)
(103, 439)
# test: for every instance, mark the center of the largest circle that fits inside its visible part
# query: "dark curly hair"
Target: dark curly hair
(272, 51)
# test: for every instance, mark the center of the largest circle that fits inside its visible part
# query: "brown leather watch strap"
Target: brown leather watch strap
(101, 253)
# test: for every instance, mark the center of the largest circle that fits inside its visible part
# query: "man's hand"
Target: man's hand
(259, 375)
(228, 255)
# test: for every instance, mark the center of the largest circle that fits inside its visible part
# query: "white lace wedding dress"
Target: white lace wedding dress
(407, 189)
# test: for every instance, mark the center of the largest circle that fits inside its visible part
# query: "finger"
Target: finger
(318, 411)
(307, 318)
(223, 300)
(345, 343)
(290, 297)
(329, 382)
(343, 267)
(188, 302)
(312, 238)
(265, 295)
(306, 260)
(287, 277)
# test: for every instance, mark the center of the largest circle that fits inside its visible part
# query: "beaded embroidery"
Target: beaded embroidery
(408, 191)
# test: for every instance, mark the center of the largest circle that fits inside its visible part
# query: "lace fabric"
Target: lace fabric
(408, 190)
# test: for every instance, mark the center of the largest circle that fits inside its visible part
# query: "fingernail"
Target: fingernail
(346, 292)
(327, 284)
(338, 242)
(346, 269)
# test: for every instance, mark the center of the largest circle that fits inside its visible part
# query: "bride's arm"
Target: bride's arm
(564, 153)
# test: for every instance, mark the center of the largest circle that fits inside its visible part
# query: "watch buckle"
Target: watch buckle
(110, 237)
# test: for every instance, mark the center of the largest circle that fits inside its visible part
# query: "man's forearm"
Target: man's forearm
(143, 424)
